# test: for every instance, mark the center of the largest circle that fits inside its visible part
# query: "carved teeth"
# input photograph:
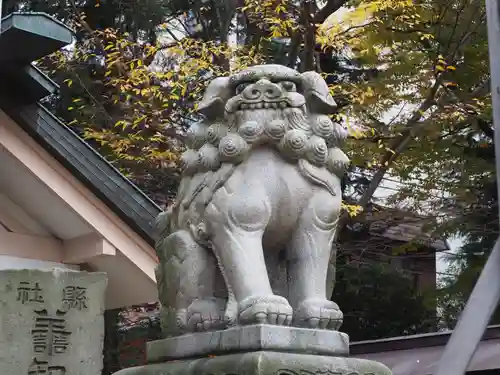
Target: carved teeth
(260, 105)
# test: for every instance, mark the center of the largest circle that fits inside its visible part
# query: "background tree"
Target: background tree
(380, 302)
(478, 224)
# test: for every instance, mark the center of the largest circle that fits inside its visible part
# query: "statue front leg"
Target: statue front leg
(236, 224)
(308, 262)
(187, 283)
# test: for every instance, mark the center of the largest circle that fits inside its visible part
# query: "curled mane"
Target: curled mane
(297, 124)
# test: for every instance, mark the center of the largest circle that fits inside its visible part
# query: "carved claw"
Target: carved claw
(205, 315)
(265, 310)
(318, 313)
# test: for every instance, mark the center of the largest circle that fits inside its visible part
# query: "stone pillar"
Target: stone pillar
(51, 322)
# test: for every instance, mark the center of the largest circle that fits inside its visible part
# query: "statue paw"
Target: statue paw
(265, 310)
(318, 313)
(205, 315)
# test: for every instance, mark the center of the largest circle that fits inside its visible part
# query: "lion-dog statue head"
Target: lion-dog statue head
(266, 105)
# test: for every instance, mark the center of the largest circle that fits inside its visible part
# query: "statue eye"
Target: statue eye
(241, 87)
(288, 86)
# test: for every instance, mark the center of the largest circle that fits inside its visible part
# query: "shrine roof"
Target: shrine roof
(399, 225)
(420, 354)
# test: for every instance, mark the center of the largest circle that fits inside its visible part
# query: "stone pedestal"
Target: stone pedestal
(51, 322)
(256, 350)
(263, 363)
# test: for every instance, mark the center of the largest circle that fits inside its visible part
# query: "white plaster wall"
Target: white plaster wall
(8, 262)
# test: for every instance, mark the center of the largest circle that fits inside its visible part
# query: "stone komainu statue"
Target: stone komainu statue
(261, 175)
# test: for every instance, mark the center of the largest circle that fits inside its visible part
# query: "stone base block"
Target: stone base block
(263, 363)
(260, 337)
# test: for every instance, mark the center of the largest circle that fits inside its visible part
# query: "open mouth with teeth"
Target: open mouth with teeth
(278, 104)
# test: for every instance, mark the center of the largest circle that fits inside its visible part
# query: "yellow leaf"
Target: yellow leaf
(138, 120)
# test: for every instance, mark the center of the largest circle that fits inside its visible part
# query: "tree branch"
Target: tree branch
(294, 49)
(309, 36)
(400, 144)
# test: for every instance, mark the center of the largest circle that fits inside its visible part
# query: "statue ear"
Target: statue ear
(215, 97)
(317, 93)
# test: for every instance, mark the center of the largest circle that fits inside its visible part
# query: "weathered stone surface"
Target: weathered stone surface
(264, 363)
(247, 339)
(246, 249)
(51, 322)
(249, 238)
